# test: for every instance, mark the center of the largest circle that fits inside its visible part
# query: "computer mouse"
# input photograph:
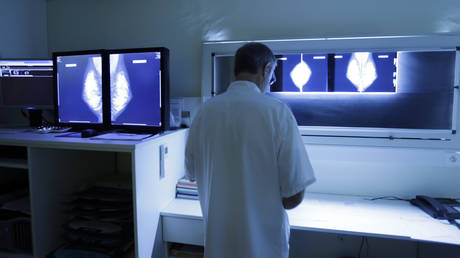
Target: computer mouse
(88, 133)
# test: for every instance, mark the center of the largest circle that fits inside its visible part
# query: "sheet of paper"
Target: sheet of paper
(71, 135)
(121, 136)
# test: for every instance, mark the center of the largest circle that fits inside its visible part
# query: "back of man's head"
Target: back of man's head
(252, 57)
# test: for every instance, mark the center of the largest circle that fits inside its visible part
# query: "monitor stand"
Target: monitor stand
(35, 117)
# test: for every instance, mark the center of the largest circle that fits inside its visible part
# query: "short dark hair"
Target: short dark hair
(251, 57)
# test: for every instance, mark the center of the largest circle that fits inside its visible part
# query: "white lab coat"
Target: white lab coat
(245, 151)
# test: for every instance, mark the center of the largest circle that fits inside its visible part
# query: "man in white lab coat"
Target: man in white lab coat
(245, 151)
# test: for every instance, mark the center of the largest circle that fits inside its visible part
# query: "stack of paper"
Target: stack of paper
(100, 220)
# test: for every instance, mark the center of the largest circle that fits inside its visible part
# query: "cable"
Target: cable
(417, 249)
(390, 198)
(454, 222)
(361, 247)
(364, 241)
(396, 198)
(24, 113)
(367, 247)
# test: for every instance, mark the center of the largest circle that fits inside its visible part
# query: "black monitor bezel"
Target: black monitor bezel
(42, 107)
(164, 66)
(105, 89)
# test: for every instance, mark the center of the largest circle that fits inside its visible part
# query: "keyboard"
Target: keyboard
(52, 129)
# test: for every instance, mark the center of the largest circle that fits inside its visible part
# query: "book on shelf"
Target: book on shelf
(186, 186)
(187, 196)
(186, 190)
(186, 183)
(186, 180)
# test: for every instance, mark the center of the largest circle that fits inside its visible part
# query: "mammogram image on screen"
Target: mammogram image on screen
(405, 89)
(358, 72)
(79, 88)
(304, 72)
(365, 72)
(135, 88)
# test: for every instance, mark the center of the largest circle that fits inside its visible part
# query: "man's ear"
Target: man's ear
(266, 70)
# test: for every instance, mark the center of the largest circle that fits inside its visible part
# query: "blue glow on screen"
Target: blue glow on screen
(377, 72)
(315, 75)
(337, 73)
(412, 90)
(135, 87)
(79, 79)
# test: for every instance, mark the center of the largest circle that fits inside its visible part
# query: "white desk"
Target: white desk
(27, 138)
(328, 213)
(58, 166)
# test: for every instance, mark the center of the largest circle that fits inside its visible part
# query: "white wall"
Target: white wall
(181, 25)
(24, 30)
(24, 35)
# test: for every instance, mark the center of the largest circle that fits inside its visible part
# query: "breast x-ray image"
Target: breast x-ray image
(365, 72)
(302, 73)
(404, 89)
(135, 88)
(79, 79)
(120, 91)
(359, 72)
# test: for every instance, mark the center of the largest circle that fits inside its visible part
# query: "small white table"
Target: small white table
(353, 215)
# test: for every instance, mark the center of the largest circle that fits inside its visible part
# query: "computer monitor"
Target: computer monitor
(139, 89)
(26, 83)
(80, 87)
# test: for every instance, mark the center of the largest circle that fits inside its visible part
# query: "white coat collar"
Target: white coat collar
(243, 86)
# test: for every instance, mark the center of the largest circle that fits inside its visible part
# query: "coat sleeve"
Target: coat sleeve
(189, 154)
(294, 167)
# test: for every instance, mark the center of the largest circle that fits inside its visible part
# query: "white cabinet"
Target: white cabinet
(56, 167)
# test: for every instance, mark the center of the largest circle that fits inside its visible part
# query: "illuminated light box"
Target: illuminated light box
(405, 89)
(358, 72)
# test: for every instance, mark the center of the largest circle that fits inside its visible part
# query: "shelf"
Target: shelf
(13, 163)
(6, 254)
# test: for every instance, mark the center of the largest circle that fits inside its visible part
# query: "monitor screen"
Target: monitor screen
(79, 88)
(26, 83)
(135, 89)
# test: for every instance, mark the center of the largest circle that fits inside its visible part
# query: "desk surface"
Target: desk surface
(351, 215)
(26, 137)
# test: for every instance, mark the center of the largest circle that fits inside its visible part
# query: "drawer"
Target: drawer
(183, 230)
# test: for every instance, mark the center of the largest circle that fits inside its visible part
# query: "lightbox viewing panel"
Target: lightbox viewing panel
(337, 72)
(411, 90)
(405, 89)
